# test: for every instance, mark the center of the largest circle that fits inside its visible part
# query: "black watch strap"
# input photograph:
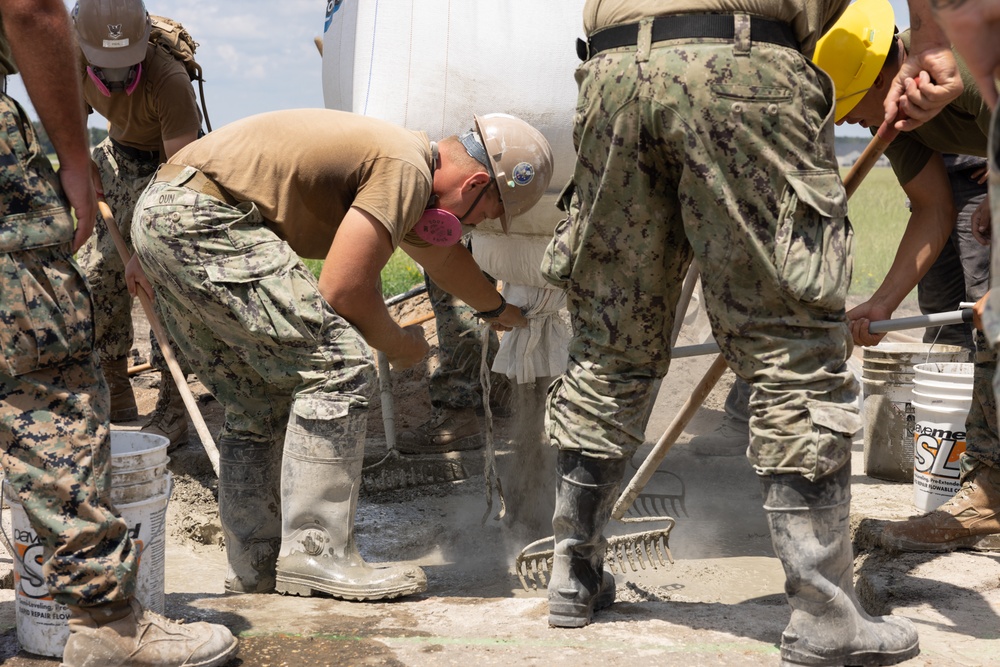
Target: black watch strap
(490, 314)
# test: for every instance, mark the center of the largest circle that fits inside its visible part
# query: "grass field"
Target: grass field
(877, 211)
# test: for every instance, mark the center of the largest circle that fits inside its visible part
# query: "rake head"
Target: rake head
(396, 471)
(638, 551)
(655, 505)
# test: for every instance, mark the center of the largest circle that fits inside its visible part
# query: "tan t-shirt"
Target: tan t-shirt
(809, 18)
(305, 168)
(162, 107)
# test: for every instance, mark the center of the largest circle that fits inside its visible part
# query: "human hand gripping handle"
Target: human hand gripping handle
(412, 346)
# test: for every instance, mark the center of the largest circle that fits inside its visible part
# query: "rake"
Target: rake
(396, 471)
(645, 549)
(650, 546)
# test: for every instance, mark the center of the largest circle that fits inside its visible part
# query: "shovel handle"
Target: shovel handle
(883, 137)
(161, 337)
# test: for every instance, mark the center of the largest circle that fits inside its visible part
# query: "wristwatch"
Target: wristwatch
(490, 314)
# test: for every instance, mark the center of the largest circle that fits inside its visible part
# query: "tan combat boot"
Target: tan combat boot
(170, 417)
(446, 431)
(123, 407)
(123, 634)
(971, 513)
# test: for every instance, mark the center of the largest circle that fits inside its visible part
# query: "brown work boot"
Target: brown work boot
(971, 514)
(170, 417)
(446, 431)
(123, 407)
(123, 634)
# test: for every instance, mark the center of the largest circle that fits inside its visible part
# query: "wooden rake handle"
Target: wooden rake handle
(161, 337)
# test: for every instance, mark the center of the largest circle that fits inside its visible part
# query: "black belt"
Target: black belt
(687, 26)
(135, 153)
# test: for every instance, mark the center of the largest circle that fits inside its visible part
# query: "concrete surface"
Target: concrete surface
(720, 603)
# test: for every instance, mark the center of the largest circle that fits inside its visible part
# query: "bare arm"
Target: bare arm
(928, 229)
(171, 146)
(453, 269)
(350, 283)
(928, 79)
(44, 48)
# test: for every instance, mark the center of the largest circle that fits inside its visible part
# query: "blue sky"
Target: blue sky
(259, 55)
(256, 55)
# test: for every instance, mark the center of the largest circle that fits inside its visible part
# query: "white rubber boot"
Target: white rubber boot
(320, 480)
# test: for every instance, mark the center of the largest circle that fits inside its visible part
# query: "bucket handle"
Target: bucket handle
(7, 542)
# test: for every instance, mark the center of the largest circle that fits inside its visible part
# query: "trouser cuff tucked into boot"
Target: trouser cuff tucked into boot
(810, 524)
(586, 491)
(250, 512)
(320, 480)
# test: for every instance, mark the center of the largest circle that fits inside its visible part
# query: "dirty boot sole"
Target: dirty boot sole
(902, 543)
(569, 614)
(792, 658)
(306, 586)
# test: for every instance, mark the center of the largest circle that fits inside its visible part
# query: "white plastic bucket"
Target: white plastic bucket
(942, 395)
(139, 459)
(887, 376)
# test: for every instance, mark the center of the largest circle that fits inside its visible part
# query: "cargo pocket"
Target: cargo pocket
(48, 317)
(813, 239)
(271, 294)
(557, 262)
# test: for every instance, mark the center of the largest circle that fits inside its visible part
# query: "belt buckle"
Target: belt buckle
(582, 49)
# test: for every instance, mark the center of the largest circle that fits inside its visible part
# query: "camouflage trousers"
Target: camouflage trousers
(53, 398)
(246, 313)
(739, 174)
(123, 178)
(455, 382)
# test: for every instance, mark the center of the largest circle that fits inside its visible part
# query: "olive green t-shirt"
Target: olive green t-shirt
(162, 107)
(962, 127)
(808, 18)
(305, 168)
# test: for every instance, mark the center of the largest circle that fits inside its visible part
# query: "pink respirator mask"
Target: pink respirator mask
(106, 87)
(439, 227)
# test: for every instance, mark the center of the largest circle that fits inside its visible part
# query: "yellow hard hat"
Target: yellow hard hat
(853, 51)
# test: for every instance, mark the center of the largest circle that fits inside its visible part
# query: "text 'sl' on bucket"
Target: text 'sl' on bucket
(942, 396)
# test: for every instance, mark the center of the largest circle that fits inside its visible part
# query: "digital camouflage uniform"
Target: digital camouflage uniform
(455, 383)
(738, 173)
(247, 314)
(53, 398)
